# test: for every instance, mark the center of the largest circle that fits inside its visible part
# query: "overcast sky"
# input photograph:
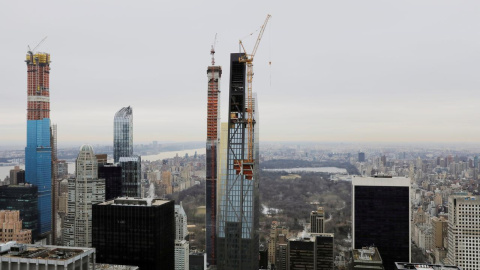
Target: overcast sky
(361, 71)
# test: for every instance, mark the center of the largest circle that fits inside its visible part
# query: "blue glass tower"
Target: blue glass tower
(38, 153)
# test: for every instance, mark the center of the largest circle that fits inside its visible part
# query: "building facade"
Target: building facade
(214, 73)
(123, 134)
(131, 176)
(38, 152)
(181, 254)
(11, 228)
(84, 191)
(238, 209)
(464, 231)
(139, 232)
(317, 221)
(23, 198)
(181, 231)
(112, 173)
(311, 253)
(381, 216)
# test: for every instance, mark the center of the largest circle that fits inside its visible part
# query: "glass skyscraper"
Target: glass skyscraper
(238, 206)
(38, 153)
(123, 134)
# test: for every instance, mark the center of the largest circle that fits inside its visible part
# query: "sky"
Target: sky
(353, 71)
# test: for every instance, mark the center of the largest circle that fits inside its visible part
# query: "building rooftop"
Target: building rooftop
(369, 254)
(124, 112)
(56, 253)
(420, 266)
(380, 181)
(131, 201)
(127, 159)
(104, 266)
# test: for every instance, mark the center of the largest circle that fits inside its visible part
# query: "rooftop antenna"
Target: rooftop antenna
(212, 51)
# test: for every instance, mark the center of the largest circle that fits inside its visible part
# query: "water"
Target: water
(311, 169)
(171, 154)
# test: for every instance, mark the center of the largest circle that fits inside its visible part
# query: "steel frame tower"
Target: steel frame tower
(214, 74)
(38, 153)
(237, 239)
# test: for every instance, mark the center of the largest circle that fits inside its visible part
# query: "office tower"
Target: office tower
(38, 156)
(112, 173)
(17, 176)
(237, 238)
(131, 176)
(23, 198)
(317, 221)
(424, 266)
(181, 254)
(361, 157)
(123, 134)
(197, 261)
(367, 258)
(84, 191)
(263, 257)
(214, 73)
(11, 228)
(55, 183)
(313, 253)
(181, 231)
(463, 231)
(381, 216)
(281, 256)
(277, 234)
(137, 232)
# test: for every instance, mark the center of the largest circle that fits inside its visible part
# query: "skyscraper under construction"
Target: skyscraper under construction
(237, 232)
(38, 151)
(214, 73)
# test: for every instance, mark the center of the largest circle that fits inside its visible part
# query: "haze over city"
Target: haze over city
(361, 71)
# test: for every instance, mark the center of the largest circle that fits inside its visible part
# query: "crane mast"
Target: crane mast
(245, 167)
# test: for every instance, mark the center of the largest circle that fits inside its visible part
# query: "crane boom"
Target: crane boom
(245, 167)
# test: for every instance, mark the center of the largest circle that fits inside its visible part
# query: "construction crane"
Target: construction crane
(40, 43)
(212, 51)
(245, 167)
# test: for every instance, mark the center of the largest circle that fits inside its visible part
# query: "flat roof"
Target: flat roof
(381, 181)
(423, 266)
(134, 201)
(370, 254)
(55, 253)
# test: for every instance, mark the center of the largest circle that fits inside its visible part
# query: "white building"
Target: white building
(180, 223)
(181, 255)
(83, 191)
(464, 231)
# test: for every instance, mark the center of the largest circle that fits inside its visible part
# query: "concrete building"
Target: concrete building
(181, 231)
(132, 231)
(38, 152)
(23, 256)
(439, 231)
(277, 234)
(11, 228)
(311, 253)
(84, 191)
(317, 221)
(381, 216)
(123, 134)
(464, 231)
(214, 74)
(367, 258)
(17, 176)
(181, 254)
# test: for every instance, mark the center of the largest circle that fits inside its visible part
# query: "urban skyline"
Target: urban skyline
(401, 74)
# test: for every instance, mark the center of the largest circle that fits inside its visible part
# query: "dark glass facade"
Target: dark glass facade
(382, 218)
(123, 133)
(113, 180)
(22, 198)
(131, 176)
(238, 206)
(141, 235)
(301, 255)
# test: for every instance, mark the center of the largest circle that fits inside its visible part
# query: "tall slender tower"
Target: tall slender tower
(237, 238)
(123, 134)
(214, 73)
(38, 153)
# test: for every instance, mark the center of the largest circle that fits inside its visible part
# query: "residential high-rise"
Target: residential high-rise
(84, 191)
(181, 254)
(123, 134)
(17, 176)
(238, 209)
(23, 198)
(214, 73)
(311, 253)
(181, 231)
(464, 231)
(38, 167)
(278, 234)
(317, 221)
(112, 173)
(381, 216)
(11, 228)
(137, 232)
(131, 176)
